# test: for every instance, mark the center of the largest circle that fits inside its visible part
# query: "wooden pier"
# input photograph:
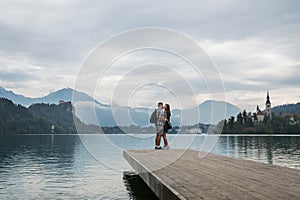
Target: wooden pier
(189, 174)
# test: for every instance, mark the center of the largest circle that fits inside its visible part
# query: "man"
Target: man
(159, 125)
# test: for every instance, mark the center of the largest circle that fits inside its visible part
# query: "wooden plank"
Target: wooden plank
(189, 174)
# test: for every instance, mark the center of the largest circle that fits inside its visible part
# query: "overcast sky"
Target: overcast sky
(255, 46)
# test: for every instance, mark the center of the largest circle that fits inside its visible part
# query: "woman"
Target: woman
(167, 115)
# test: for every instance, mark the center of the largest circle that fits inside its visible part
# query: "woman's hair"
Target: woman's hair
(167, 107)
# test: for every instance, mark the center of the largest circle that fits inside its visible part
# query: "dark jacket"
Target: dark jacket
(168, 116)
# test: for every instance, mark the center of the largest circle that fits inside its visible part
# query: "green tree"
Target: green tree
(230, 126)
(245, 117)
(225, 126)
(239, 123)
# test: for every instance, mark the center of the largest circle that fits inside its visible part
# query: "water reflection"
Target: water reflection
(37, 149)
(35, 166)
(54, 167)
(136, 187)
(59, 166)
(278, 150)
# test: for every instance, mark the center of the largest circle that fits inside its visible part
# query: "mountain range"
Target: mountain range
(91, 111)
(52, 98)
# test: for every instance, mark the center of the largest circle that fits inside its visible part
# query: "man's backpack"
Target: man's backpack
(153, 118)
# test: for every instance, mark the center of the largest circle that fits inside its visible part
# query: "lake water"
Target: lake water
(92, 166)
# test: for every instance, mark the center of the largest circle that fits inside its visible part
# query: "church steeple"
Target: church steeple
(268, 106)
(268, 98)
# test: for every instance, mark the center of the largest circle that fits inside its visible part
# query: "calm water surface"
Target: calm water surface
(92, 166)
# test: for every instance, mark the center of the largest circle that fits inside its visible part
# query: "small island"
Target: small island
(281, 121)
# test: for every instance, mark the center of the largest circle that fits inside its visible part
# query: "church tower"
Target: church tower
(268, 106)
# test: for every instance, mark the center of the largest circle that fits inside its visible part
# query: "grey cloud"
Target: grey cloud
(59, 34)
(263, 82)
(67, 31)
(16, 76)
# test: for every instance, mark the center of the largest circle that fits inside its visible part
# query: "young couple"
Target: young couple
(162, 125)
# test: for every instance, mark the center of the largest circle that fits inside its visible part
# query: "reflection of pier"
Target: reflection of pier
(195, 175)
(136, 187)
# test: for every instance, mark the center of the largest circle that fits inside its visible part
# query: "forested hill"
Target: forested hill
(37, 119)
(287, 108)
